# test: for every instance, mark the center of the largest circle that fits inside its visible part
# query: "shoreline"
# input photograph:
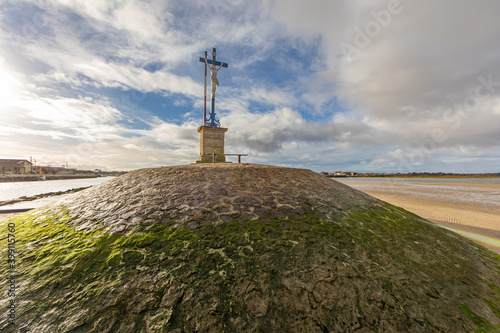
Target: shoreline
(485, 237)
(420, 176)
(373, 184)
(447, 205)
(458, 212)
(36, 178)
(40, 196)
(19, 207)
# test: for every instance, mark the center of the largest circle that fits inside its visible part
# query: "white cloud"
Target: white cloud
(263, 132)
(89, 134)
(413, 84)
(10, 84)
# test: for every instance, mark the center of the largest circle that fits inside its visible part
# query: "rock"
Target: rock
(235, 247)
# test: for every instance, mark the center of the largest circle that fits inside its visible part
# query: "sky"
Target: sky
(364, 86)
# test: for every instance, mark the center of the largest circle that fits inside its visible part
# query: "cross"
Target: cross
(213, 70)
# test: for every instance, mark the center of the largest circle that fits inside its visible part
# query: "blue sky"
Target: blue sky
(366, 86)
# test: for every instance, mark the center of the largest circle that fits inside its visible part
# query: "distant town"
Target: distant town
(412, 174)
(22, 167)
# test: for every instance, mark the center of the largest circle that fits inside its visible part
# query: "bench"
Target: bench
(239, 156)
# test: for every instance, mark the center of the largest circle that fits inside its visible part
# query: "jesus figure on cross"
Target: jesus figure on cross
(213, 76)
(211, 64)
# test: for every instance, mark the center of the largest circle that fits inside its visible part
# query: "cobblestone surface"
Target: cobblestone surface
(243, 248)
(203, 194)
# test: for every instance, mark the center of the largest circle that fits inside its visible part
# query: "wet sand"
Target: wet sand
(4, 216)
(472, 210)
(28, 205)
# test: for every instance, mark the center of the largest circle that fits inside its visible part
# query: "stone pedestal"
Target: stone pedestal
(211, 142)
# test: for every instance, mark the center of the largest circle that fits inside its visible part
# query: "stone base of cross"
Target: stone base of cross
(211, 144)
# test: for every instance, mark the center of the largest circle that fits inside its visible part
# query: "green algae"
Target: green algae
(494, 306)
(483, 325)
(90, 270)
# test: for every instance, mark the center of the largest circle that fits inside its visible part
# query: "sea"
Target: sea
(420, 181)
(14, 190)
(467, 190)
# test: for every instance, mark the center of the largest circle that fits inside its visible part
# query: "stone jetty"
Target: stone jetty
(242, 248)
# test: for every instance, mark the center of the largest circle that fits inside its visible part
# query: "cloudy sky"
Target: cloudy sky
(366, 86)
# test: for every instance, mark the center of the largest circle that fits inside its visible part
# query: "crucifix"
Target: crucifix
(211, 64)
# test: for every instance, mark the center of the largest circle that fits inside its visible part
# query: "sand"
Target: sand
(4, 216)
(472, 210)
(29, 205)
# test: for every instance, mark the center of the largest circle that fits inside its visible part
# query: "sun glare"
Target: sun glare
(9, 85)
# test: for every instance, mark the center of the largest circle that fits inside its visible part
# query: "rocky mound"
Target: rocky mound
(232, 248)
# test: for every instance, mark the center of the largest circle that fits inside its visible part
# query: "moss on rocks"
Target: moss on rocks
(356, 264)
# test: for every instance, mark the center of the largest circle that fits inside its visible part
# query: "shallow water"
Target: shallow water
(13, 190)
(467, 190)
(423, 180)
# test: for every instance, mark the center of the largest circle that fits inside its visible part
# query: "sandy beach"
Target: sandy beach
(472, 210)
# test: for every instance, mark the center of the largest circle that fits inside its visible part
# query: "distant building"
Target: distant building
(345, 174)
(339, 174)
(47, 169)
(8, 166)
